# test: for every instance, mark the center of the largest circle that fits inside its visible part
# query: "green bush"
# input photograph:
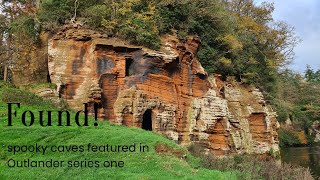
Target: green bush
(282, 110)
(55, 12)
(287, 138)
(251, 167)
(96, 15)
(4, 84)
(138, 33)
(25, 26)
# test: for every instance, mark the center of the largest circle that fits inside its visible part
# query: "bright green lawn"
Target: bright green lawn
(138, 165)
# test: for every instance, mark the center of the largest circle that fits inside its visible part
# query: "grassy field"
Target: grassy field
(137, 165)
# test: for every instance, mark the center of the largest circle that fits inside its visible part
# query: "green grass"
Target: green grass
(147, 165)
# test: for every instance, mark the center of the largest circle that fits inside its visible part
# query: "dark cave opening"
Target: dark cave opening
(202, 76)
(128, 64)
(147, 120)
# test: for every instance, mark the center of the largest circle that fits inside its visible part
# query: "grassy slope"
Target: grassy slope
(150, 165)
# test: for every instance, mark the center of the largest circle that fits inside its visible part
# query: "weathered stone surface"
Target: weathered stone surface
(316, 131)
(167, 92)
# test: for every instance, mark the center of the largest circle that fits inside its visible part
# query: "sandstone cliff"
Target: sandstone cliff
(167, 92)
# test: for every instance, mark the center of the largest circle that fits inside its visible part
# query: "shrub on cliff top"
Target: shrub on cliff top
(241, 32)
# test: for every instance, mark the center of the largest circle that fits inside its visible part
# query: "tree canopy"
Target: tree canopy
(239, 37)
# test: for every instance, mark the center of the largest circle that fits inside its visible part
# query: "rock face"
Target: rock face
(167, 92)
(316, 131)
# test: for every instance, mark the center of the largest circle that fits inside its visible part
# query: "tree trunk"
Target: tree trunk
(5, 74)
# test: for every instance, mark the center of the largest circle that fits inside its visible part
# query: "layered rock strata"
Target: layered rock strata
(165, 91)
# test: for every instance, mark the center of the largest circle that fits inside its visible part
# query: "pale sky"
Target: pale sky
(304, 16)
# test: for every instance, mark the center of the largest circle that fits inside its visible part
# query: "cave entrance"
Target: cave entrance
(147, 120)
(128, 64)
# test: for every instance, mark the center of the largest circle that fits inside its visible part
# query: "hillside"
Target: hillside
(164, 160)
(175, 163)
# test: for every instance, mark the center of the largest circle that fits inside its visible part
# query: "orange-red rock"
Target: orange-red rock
(165, 91)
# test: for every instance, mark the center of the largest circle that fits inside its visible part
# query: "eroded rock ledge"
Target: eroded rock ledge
(167, 92)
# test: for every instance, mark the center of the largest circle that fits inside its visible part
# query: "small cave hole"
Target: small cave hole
(202, 76)
(147, 120)
(62, 91)
(128, 64)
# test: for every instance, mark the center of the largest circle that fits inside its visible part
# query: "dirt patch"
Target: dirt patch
(165, 149)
